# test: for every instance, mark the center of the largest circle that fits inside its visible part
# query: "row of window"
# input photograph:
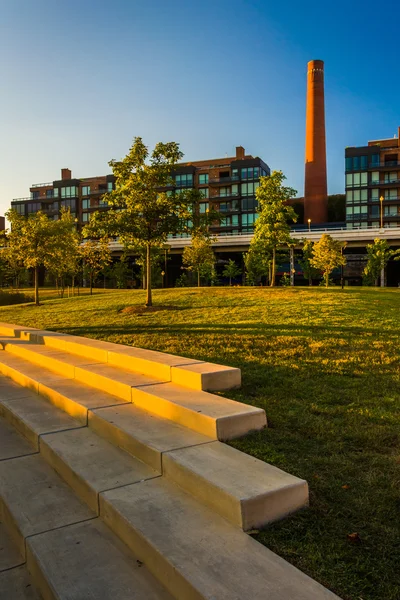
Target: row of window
(247, 173)
(374, 211)
(355, 163)
(68, 191)
(355, 196)
(361, 179)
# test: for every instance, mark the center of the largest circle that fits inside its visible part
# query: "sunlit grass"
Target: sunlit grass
(325, 365)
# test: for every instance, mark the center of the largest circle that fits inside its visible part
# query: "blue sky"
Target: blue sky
(81, 79)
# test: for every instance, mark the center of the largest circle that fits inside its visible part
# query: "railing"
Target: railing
(35, 185)
(21, 200)
(223, 179)
(388, 163)
(224, 196)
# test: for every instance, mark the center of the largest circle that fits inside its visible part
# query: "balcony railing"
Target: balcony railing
(388, 163)
(224, 179)
(36, 185)
(224, 196)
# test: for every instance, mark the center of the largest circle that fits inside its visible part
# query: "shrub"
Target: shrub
(8, 298)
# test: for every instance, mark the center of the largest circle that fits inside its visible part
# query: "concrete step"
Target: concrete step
(73, 397)
(12, 444)
(32, 416)
(142, 434)
(246, 491)
(34, 499)
(85, 561)
(208, 414)
(9, 555)
(195, 553)
(16, 584)
(90, 464)
(183, 371)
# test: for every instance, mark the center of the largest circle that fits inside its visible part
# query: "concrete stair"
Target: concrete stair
(85, 475)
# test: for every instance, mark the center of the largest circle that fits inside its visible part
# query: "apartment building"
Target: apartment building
(228, 184)
(373, 184)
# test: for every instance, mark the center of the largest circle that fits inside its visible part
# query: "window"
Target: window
(235, 189)
(374, 211)
(249, 219)
(391, 194)
(203, 178)
(349, 163)
(229, 206)
(49, 193)
(391, 211)
(235, 173)
(375, 160)
(250, 173)
(356, 179)
(229, 221)
(20, 208)
(71, 204)
(185, 180)
(205, 192)
(69, 192)
(86, 204)
(225, 191)
(109, 186)
(35, 195)
(364, 162)
(390, 177)
(86, 190)
(374, 194)
(103, 202)
(249, 189)
(203, 207)
(375, 177)
(33, 207)
(249, 204)
(56, 192)
(85, 217)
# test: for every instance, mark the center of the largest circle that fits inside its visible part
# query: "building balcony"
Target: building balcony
(223, 180)
(389, 163)
(38, 185)
(224, 196)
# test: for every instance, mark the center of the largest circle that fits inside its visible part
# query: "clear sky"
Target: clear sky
(81, 78)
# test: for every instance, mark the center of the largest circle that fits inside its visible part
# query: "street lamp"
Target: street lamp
(162, 275)
(381, 201)
(309, 224)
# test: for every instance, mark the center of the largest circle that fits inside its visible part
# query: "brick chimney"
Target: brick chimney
(240, 153)
(315, 184)
(66, 174)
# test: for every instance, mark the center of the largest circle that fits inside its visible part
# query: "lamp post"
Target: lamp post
(162, 275)
(381, 201)
(309, 224)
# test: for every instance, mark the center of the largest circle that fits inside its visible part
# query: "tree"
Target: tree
(37, 240)
(309, 271)
(142, 213)
(199, 256)
(327, 256)
(272, 229)
(65, 258)
(96, 255)
(231, 270)
(121, 272)
(257, 263)
(379, 254)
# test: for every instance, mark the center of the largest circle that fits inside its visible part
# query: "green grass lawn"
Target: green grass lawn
(324, 364)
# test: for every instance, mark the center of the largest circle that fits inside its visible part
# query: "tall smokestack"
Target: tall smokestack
(315, 186)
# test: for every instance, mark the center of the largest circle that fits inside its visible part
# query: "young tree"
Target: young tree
(272, 228)
(121, 272)
(36, 240)
(141, 214)
(231, 270)
(199, 257)
(309, 271)
(95, 255)
(257, 263)
(379, 254)
(327, 256)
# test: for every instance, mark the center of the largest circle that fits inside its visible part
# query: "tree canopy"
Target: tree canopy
(327, 256)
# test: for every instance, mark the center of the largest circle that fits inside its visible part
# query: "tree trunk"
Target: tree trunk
(273, 268)
(309, 280)
(37, 286)
(198, 278)
(326, 279)
(149, 300)
(91, 283)
(230, 280)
